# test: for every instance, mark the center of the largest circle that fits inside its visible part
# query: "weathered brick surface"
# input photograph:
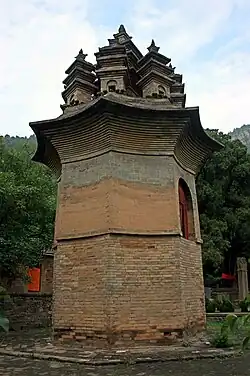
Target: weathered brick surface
(157, 170)
(131, 193)
(122, 270)
(191, 278)
(130, 285)
(47, 275)
(119, 205)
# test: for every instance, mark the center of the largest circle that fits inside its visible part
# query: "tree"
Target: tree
(27, 207)
(223, 188)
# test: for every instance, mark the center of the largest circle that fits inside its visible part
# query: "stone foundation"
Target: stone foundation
(127, 338)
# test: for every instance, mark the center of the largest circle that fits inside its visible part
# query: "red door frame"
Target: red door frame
(183, 203)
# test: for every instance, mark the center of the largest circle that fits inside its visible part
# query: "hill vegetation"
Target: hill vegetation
(242, 134)
(27, 207)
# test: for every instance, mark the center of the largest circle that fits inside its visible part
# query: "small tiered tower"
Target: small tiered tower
(127, 264)
(112, 67)
(80, 83)
(133, 56)
(155, 74)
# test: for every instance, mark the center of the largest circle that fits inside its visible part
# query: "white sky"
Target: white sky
(209, 43)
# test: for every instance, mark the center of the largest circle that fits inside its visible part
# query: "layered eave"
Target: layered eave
(77, 82)
(130, 125)
(80, 63)
(153, 55)
(154, 75)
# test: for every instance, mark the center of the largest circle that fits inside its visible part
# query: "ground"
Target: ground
(240, 366)
(39, 342)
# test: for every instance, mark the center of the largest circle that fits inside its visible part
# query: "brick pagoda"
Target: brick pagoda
(126, 150)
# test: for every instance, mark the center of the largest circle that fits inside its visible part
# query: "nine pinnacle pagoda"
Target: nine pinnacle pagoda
(126, 150)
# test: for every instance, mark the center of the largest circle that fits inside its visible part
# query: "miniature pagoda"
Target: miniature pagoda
(126, 150)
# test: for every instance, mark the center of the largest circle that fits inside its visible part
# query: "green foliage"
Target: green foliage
(236, 325)
(210, 305)
(245, 304)
(27, 207)
(225, 305)
(223, 189)
(221, 340)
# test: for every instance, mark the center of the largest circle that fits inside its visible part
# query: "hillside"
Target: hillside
(242, 134)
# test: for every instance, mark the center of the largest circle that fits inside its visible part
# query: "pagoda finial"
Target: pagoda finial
(153, 47)
(122, 29)
(81, 55)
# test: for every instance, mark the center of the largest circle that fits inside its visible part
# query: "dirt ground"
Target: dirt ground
(240, 366)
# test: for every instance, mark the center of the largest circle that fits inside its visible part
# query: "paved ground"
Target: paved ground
(12, 366)
(38, 344)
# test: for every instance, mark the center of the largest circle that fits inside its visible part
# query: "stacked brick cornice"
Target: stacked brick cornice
(105, 120)
(123, 269)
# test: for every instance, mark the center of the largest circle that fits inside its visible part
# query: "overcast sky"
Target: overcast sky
(208, 42)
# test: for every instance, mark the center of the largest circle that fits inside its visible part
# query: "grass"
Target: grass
(213, 329)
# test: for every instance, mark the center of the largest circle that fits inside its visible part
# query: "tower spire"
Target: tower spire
(153, 47)
(81, 55)
(121, 29)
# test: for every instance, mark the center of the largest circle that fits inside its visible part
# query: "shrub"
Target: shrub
(210, 305)
(245, 304)
(221, 340)
(225, 305)
(236, 325)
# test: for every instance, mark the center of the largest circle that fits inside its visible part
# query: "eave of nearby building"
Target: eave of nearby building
(131, 113)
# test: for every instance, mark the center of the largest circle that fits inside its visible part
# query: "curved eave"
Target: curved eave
(194, 145)
(43, 154)
(39, 153)
(137, 107)
(201, 133)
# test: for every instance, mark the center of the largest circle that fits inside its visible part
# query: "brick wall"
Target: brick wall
(121, 267)
(126, 286)
(191, 277)
(28, 310)
(131, 193)
(47, 274)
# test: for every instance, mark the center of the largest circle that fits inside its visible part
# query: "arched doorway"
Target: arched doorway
(186, 211)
